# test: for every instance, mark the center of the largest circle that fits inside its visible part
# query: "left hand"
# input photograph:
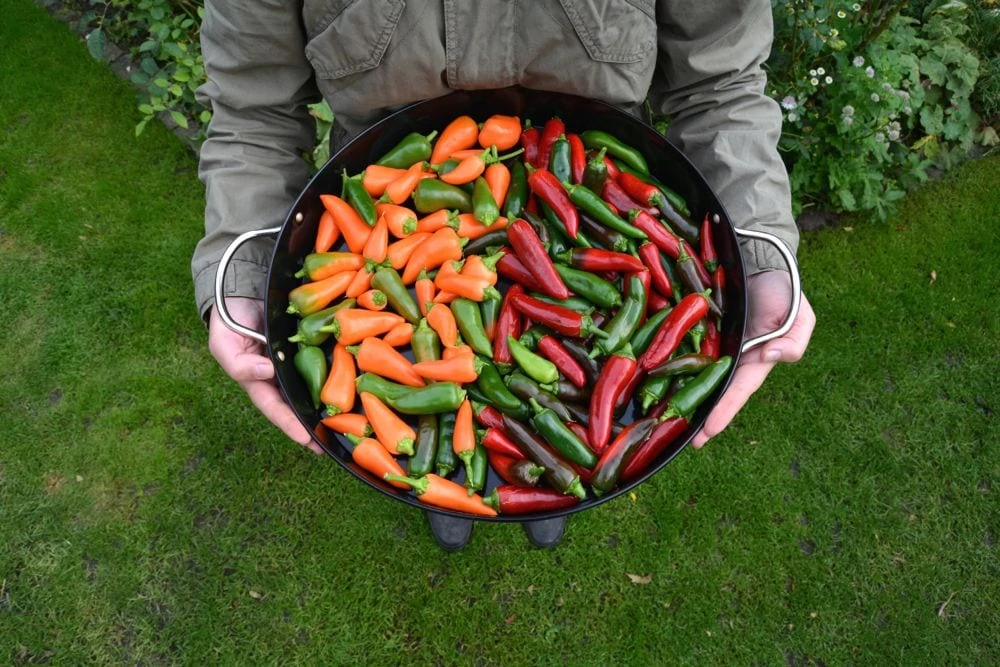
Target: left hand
(770, 296)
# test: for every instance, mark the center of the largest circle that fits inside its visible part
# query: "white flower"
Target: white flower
(841, 14)
(828, 79)
(879, 136)
(847, 110)
(834, 32)
(788, 102)
(886, 85)
(903, 95)
(848, 120)
(870, 72)
(793, 117)
(893, 135)
(856, 7)
(875, 97)
(907, 110)
(813, 72)
(820, 71)
(858, 61)
(814, 81)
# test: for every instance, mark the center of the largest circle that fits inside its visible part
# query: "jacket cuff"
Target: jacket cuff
(244, 277)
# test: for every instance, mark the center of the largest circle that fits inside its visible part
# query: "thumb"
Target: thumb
(249, 367)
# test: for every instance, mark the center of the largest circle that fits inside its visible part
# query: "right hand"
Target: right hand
(242, 359)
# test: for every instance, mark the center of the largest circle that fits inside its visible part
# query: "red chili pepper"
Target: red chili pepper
(529, 142)
(519, 472)
(553, 129)
(712, 341)
(577, 156)
(510, 266)
(608, 469)
(719, 287)
(508, 324)
(613, 170)
(558, 318)
(656, 302)
(547, 187)
(651, 195)
(620, 200)
(550, 348)
(580, 431)
(708, 255)
(487, 416)
(496, 440)
(535, 257)
(629, 389)
(650, 256)
(662, 237)
(662, 436)
(618, 370)
(599, 259)
(511, 499)
(692, 308)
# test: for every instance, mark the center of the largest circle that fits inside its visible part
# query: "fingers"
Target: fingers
(266, 397)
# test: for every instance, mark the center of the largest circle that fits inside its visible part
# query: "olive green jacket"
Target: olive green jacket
(698, 61)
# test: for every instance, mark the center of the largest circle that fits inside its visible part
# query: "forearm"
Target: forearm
(711, 85)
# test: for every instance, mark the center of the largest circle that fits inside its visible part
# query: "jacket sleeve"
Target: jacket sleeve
(711, 85)
(259, 84)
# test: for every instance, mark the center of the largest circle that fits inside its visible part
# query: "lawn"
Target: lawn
(148, 515)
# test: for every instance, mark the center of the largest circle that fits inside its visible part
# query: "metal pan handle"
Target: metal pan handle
(220, 279)
(793, 270)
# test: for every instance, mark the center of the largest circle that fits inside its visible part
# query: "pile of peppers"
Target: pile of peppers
(506, 296)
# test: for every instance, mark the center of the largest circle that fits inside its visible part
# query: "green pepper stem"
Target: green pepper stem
(493, 500)
(418, 485)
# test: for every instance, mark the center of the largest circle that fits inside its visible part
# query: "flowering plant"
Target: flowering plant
(872, 99)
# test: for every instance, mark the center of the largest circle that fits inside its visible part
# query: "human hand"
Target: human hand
(240, 357)
(770, 296)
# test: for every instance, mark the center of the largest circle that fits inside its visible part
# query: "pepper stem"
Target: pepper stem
(418, 485)
(493, 500)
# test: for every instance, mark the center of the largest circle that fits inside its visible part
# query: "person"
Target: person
(698, 63)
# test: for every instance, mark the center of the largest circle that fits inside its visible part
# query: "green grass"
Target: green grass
(148, 515)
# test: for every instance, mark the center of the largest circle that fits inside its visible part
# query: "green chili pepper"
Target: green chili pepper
(563, 440)
(675, 279)
(558, 472)
(380, 387)
(559, 159)
(625, 322)
(652, 390)
(476, 394)
(490, 309)
(596, 171)
(470, 324)
(597, 139)
(697, 333)
(358, 197)
(445, 460)
(593, 288)
(387, 280)
(308, 328)
(433, 194)
(695, 391)
(496, 393)
(558, 239)
(476, 470)
(643, 336)
(574, 303)
(675, 200)
(591, 204)
(484, 208)
(535, 366)
(483, 245)
(530, 337)
(517, 191)
(425, 449)
(683, 364)
(436, 397)
(527, 389)
(310, 362)
(413, 148)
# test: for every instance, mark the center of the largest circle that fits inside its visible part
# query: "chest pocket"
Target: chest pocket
(352, 36)
(614, 31)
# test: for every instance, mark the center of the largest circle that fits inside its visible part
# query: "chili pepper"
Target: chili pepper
(312, 297)
(376, 178)
(327, 232)
(476, 477)
(445, 494)
(529, 142)
(558, 318)
(445, 460)
(684, 315)
(374, 355)
(338, 392)
(435, 397)
(719, 288)
(582, 356)
(620, 201)
(712, 341)
(653, 390)
(591, 287)
(490, 309)
(470, 324)
(377, 385)
(500, 131)
(412, 148)
(599, 259)
(700, 387)
(484, 207)
(399, 252)
(617, 371)
(373, 299)
(556, 352)
(444, 245)
(536, 260)
(604, 236)
(352, 227)
(370, 455)
(540, 227)
(596, 139)
(685, 364)
(309, 328)
(395, 434)
(320, 265)
(647, 193)
(665, 433)
(534, 366)
(357, 196)
(487, 242)
(402, 188)
(577, 157)
(362, 280)
(449, 279)
(643, 336)
(659, 235)
(553, 129)
(550, 190)
(508, 324)
(596, 171)
(555, 234)
(625, 322)
(425, 447)
(461, 133)
(649, 253)
(695, 335)
(495, 439)
(671, 196)
(436, 220)
(468, 167)
(560, 159)
(514, 499)
(433, 194)
(310, 362)
(528, 389)
(510, 266)
(520, 472)
(558, 473)
(688, 268)
(609, 468)
(709, 257)
(462, 351)
(352, 423)
(575, 303)
(517, 191)
(580, 430)
(400, 220)
(442, 320)
(591, 204)
(491, 383)
(461, 369)
(568, 392)
(487, 415)
(497, 177)
(657, 302)
(560, 437)
(464, 439)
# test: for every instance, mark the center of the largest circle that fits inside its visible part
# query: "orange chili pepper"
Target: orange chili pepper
(361, 282)
(470, 228)
(459, 368)
(459, 134)
(468, 169)
(501, 131)
(470, 287)
(338, 391)
(319, 265)
(399, 335)
(377, 177)
(436, 220)
(351, 225)
(441, 492)
(350, 326)
(444, 297)
(497, 176)
(484, 269)
(402, 221)
(353, 423)
(399, 252)
(442, 246)
(373, 299)
(457, 351)
(376, 247)
(395, 434)
(327, 232)
(442, 320)
(400, 189)
(371, 455)
(317, 295)
(424, 290)
(463, 441)
(376, 356)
